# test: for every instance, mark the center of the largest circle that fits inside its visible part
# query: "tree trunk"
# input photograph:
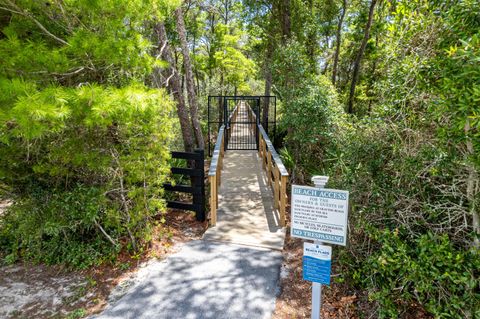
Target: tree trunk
(356, 69)
(372, 81)
(285, 20)
(190, 84)
(268, 84)
(220, 111)
(227, 10)
(339, 40)
(221, 82)
(172, 83)
(472, 187)
(325, 67)
(197, 89)
(311, 41)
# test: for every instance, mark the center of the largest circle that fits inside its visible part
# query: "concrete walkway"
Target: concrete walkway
(233, 272)
(204, 280)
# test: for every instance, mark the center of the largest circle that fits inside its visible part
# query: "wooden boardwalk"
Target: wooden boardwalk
(246, 211)
(234, 271)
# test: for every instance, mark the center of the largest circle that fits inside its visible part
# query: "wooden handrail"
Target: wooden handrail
(277, 174)
(271, 149)
(232, 115)
(215, 174)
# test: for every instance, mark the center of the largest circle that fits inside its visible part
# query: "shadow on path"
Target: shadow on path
(205, 280)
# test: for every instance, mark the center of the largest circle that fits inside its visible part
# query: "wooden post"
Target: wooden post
(276, 187)
(269, 168)
(264, 155)
(283, 199)
(222, 151)
(213, 200)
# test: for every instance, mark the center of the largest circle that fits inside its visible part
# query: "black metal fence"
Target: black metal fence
(197, 183)
(220, 107)
(242, 127)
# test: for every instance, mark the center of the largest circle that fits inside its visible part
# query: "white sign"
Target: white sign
(320, 214)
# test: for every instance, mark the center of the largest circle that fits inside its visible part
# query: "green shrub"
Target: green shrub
(312, 120)
(408, 241)
(85, 166)
(428, 269)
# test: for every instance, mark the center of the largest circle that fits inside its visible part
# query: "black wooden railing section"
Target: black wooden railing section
(197, 186)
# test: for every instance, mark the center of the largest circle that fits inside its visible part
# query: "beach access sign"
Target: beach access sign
(317, 263)
(320, 214)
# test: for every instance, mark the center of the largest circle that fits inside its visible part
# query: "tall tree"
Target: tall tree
(358, 59)
(173, 84)
(338, 41)
(285, 17)
(268, 83)
(190, 84)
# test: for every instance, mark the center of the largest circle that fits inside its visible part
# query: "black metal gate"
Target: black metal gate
(241, 116)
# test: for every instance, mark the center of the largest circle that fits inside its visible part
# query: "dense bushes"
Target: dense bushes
(408, 241)
(411, 226)
(84, 144)
(409, 155)
(84, 166)
(311, 115)
(428, 270)
(314, 119)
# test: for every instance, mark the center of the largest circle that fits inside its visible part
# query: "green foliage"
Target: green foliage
(235, 66)
(77, 313)
(84, 147)
(459, 86)
(428, 269)
(79, 161)
(409, 156)
(418, 243)
(57, 227)
(84, 40)
(310, 110)
(84, 144)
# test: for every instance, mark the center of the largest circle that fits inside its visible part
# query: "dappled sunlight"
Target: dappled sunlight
(246, 213)
(205, 280)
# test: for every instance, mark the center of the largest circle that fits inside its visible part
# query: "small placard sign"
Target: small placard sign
(317, 263)
(319, 214)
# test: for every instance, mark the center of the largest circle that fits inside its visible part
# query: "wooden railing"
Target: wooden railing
(215, 174)
(252, 119)
(231, 121)
(277, 175)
